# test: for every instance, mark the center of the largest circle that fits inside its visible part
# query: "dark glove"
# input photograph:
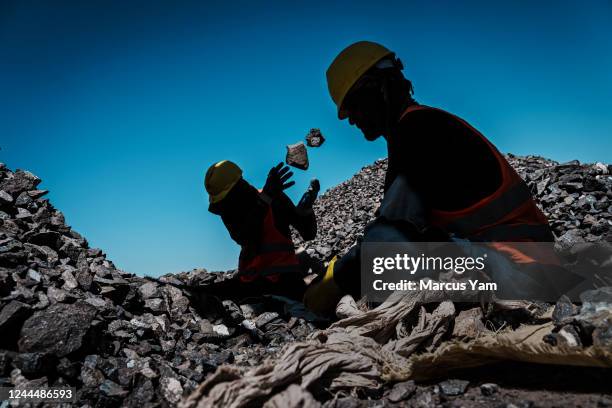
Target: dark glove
(277, 180)
(309, 196)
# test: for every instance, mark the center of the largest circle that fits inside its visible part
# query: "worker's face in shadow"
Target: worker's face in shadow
(242, 212)
(366, 108)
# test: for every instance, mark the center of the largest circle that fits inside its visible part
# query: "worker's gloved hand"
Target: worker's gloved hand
(277, 180)
(323, 295)
(309, 196)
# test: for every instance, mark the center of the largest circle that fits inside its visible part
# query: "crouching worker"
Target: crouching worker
(444, 179)
(259, 222)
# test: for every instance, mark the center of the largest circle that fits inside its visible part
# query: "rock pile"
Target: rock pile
(576, 198)
(344, 210)
(68, 316)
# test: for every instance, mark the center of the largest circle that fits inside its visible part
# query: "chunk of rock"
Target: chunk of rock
(402, 391)
(488, 389)
(297, 156)
(5, 198)
(12, 314)
(453, 387)
(20, 182)
(314, 138)
(171, 389)
(112, 389)
(148, 290)
(60, 329)
(564, 310)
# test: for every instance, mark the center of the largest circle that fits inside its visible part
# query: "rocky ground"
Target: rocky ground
(69, 316)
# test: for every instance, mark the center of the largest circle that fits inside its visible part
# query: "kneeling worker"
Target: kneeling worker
(443, 175)
(259, 222)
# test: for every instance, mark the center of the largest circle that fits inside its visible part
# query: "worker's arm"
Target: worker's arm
(285, 212)
(304, 222)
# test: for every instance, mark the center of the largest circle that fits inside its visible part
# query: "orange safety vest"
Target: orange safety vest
(274, 255)
(508, 215)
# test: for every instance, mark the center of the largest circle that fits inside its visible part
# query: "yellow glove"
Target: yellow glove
(323, 295)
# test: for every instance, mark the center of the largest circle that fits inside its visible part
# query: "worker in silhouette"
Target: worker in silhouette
(259, 222)
(444, 178)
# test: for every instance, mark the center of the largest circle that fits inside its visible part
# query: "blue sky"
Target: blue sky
(121, 106)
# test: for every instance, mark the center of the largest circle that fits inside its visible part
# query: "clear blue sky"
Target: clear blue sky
(120, 106)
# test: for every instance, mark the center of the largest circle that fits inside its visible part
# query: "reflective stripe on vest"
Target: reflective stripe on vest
(508, 215)
(274, 255)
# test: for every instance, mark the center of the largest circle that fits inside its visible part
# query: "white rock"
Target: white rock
(221, 330)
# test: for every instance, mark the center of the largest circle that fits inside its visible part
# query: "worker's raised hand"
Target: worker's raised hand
(278, 180)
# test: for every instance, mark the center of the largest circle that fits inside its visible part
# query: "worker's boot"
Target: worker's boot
(309, 197)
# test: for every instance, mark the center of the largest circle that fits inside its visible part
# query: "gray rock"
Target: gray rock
(171, 389)
(20, 182)
(69, 280)
(23, 200)
(23, 214)
(297, 156)
(402, 391)
(44, 253)
(564, 311)
(5, 198)
(84, 278)
(453, 387)
(56, 295)
(221, 330)
(148, 290)
(111, 389)
(314, 138)
(13, 314)
(265, 318)
(60, 329)
(36, 194)
(489, 389)
(34, 275)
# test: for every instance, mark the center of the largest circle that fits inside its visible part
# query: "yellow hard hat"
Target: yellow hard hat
(220, 178)
(349, 66)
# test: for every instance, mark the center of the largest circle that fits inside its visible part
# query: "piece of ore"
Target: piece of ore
(314, 138)
(297, 156)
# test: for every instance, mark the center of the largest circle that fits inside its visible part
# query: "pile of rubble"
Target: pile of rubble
(343, 212)
(576, 198)
(69, 317)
